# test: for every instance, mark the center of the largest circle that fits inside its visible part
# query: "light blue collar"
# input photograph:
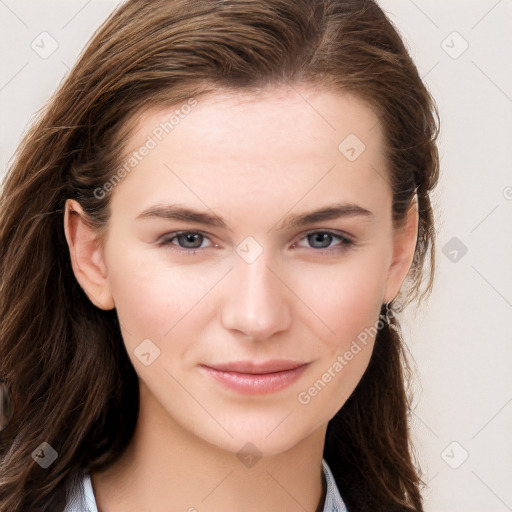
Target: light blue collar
(333, 501)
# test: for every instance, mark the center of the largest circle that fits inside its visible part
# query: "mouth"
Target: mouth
(252, 378)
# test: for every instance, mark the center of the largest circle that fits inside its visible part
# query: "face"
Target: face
(241, 309)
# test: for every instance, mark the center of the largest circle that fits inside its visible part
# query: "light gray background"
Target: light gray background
(460, 339)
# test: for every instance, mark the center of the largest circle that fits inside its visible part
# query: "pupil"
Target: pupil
(189, 237)
(323, 238)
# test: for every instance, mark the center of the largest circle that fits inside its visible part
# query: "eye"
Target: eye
(323, 239)
(188, 241)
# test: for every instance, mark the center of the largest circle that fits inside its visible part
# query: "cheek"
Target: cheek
(359, 307)
(153, 300)
(350, 306)
(344, 298)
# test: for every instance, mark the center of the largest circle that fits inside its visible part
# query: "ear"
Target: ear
(404, 247)
(87, 256)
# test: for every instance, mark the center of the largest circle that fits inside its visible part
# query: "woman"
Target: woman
(204, 242)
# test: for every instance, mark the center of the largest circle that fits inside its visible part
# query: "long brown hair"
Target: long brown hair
(64, 359)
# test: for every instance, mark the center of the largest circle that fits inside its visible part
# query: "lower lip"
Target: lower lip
(256, 384)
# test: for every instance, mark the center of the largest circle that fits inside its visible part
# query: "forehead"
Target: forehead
(281, 144)
(288, 121)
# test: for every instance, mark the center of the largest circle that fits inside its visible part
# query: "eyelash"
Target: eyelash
(346, 243)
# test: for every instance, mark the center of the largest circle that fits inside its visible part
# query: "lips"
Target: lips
(257, 368)
(252, 378)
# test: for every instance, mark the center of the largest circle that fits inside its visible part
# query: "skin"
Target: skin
(252, 160)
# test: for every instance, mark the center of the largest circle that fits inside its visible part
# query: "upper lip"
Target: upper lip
(250, 367)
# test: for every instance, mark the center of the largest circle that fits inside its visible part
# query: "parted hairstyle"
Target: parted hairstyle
(63, 358)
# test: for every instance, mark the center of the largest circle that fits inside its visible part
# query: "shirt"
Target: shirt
(86, 502)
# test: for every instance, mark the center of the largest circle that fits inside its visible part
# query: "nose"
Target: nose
(256, 302)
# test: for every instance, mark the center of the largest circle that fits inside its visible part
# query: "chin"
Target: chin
(262, 436)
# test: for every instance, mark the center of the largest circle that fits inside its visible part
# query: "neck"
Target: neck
(167, 468)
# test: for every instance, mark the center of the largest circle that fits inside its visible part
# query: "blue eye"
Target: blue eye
(191, 239)
(189, 242)
(324, 240)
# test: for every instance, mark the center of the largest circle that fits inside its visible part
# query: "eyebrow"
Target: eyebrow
(184, 214)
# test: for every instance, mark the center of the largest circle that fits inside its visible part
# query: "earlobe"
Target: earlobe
(86, 255)
(404, 247)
